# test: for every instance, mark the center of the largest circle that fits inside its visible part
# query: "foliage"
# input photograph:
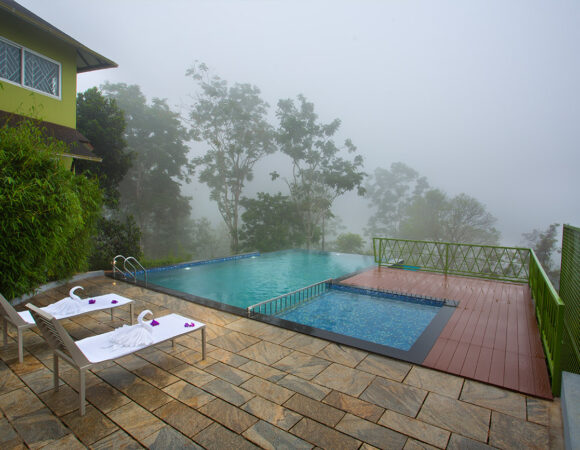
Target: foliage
(349, 243)
(468, 221)
(163, 262)
(48, 213)
(545, 244)
(406, 207)
(151, 190)
(232, 121)
(270, 224)
(103, 123)
(391, 192)
(424, 217)
(433, 216)
(319, 173)
(113, 238)
(207, 242)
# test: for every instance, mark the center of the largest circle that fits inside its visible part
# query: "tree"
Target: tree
(103, 123)
(391, 192)
(468, 221)
(545, 245)
(114, 237)
(232, 121)
(207, 242)
(151, 190)
(433, 216)
(48, 213)
(349, 243)
(319, 173)
(270, 224)
(424, 217)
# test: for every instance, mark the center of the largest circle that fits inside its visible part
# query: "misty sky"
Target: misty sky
(481, 97)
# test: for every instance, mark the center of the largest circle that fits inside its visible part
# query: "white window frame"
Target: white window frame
(23, 50)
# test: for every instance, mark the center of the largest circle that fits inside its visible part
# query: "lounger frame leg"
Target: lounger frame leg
(55, 370)
(82, 390)
(203, 343)
(5, 331)
(20, 345)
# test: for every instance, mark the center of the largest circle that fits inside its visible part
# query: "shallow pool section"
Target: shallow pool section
(394, 321)
(241, 282)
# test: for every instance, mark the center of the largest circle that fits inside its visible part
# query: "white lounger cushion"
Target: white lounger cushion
(98, 348)
(102, 302)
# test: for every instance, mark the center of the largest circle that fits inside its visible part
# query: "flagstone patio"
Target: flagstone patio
(260, 386)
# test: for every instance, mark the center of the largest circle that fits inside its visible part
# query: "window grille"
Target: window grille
(29, 69)
(41, 74)
(10, 62)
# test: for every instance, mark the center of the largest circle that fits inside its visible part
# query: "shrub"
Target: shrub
(115, 238)
(47, 214)
(349, 243)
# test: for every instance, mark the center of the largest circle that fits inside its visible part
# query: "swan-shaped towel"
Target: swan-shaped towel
(68, 306)
(133, 335)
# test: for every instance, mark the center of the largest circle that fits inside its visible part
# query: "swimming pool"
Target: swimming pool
(244, 281)
(405, 328)
(395, 321)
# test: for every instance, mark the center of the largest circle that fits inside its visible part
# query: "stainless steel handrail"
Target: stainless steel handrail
(129, 260)
(116, 268)
(128, 272)
(304, 294)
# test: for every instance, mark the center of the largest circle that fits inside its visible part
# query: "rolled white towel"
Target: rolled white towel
(133, 335)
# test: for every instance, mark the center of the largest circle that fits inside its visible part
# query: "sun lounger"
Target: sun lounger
(10, 315)
(23, 320)
(85, 353)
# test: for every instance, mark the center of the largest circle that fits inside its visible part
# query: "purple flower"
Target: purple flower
(92, 301)
(114, 302)
(154, 323)
(189, 325)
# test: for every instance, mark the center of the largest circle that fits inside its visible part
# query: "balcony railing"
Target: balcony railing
(550, 316)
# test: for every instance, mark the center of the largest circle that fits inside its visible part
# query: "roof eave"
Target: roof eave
(87, 59)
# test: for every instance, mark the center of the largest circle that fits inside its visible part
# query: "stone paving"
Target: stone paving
(260, 386)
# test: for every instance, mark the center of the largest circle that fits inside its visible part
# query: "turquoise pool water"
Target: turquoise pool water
(244, 282)
(379, 319)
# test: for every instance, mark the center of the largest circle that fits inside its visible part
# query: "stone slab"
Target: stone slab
(571, 409)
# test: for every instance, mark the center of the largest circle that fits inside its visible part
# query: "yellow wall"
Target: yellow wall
(19, 100)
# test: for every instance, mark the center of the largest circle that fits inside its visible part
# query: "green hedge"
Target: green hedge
(47, 214)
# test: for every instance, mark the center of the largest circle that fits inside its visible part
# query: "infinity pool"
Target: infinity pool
(249, 280)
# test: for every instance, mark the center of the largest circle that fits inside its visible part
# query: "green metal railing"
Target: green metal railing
(570, 294)
(550, 315)
(482, 261)
(513, 264)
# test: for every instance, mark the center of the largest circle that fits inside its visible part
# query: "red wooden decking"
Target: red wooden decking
(492, 336)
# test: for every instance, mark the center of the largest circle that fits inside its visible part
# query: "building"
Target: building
(38, 69)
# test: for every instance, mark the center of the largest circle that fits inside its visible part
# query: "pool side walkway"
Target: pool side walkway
(260, 386)
(491, 337)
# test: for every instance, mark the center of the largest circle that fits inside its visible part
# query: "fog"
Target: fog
(481, 97)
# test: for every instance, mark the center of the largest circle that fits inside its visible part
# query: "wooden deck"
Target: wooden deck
(491, 337)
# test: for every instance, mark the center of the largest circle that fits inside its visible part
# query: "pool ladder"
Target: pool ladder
(129, 270)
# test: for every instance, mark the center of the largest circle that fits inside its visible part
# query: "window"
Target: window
(28, 69)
